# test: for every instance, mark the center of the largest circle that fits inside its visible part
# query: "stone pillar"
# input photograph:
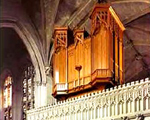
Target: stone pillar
(17, 94)
(37, 94)
(43, 91)
(40, 94)
(49, 86)
(43, 96)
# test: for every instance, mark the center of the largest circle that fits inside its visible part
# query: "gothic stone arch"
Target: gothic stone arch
(31, 46)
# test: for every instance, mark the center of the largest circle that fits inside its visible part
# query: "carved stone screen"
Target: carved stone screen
(28, 90)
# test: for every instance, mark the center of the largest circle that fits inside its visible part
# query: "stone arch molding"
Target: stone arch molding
(32, 48)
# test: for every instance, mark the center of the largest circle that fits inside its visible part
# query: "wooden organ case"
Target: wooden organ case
(92, 63)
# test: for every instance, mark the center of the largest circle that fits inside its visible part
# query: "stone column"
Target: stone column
(40, 94)
(37, 94)
(43, 90)
(43, 96)
(49, 86)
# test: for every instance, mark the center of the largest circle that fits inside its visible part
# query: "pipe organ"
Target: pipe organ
(92, 63)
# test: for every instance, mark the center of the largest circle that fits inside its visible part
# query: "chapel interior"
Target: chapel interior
(54, 50)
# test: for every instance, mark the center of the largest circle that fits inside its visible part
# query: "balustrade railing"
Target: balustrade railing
(60, 87)
(128, 99)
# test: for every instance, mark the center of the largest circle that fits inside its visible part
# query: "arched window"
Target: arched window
(8, 98)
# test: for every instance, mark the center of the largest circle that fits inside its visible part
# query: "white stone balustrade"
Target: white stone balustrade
(130, 100)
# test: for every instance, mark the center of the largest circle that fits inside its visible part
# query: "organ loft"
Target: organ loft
(75, 60)
(85, 63)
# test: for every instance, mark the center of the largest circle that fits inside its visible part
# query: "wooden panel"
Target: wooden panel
(62, 66)
(71, 64)
(99, 58)
(121, 59)
(70, 85)
(79, 59)
(100, 50)
(87, 80)
(111, 50)
(87, 57)
(60, 58)
(79, 54)
(56, 67)
(116, 57)
(94, 50)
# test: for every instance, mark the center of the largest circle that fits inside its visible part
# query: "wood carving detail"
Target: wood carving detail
(60, 39)
(94, 62)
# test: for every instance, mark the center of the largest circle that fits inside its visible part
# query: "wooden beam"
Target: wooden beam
(112, 12)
